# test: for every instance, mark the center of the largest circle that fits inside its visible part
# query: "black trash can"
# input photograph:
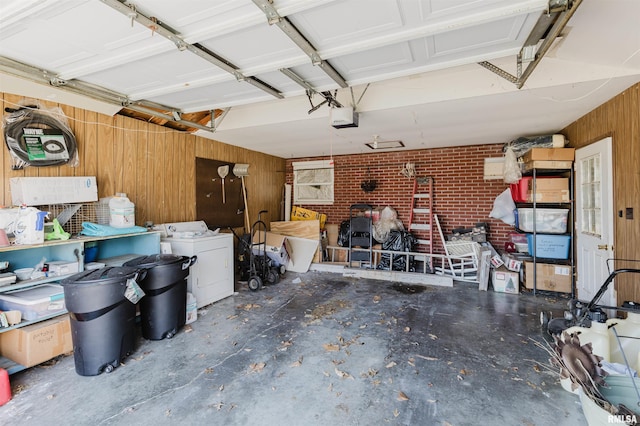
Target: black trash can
(102, 318)
(163, 309)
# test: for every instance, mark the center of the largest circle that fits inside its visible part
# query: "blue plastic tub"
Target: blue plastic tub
(549, 246)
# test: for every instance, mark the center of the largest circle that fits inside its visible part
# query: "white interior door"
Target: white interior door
(594, 220)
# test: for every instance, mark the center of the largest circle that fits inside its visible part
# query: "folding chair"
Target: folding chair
(461, 258)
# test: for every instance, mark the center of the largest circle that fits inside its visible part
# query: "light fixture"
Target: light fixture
(378, 144)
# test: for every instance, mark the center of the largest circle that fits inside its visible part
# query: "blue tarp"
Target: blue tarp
(96, 230)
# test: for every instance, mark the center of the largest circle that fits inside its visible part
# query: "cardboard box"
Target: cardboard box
(505, 281)
(339, 255)
(549, 190)
(332, 233)
(496, 261)
(276, 247)
(309, 229)
(550, 277)
(547, 165)
(299, 213)
(511, 262)
(549, 154)
(38, 191)
(37, 343)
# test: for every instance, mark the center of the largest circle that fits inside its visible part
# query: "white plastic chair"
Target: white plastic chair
(461, 258)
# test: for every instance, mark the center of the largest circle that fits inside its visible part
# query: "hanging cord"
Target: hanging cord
(30, 117)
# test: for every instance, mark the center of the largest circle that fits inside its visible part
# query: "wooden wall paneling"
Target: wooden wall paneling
(157, 148)
(167, 178)
(155, 166)
(178, 179)
(172, 209)
(75, 118)
(106, 169)
(118, 142)
(67, 169)
(88, 146)
(153, 156)
(180, 196)
(189, 173)
(177, 151)
(161, 173)
(141, 164)
(185, 185)
(128, 159)
(619, 118)
(629, 235)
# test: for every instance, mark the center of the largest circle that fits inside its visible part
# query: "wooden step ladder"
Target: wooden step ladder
(421, 214)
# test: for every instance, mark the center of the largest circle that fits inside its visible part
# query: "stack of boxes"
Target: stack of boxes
(550, 219)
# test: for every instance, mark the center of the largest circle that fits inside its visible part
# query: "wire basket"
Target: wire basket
(71, 216)
(102, 211)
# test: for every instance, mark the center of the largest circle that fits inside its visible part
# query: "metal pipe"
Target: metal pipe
(557, 28)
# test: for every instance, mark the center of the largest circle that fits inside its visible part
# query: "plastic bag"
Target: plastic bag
(523, 144)
(398, 241)
(343, 233)
(503, 207)
(39, 137)
(388, 222)
(512, 173)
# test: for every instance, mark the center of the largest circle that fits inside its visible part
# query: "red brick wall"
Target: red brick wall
(461, 195)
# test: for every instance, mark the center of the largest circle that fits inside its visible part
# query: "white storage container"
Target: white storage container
(34, 302)
(549, 221)
(121, 211)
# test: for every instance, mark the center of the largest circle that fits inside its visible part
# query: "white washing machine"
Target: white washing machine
(212, 276)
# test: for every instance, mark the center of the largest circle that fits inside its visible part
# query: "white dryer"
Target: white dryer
(212, 276)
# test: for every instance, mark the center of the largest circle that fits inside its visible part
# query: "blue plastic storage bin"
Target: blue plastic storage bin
(549, 246)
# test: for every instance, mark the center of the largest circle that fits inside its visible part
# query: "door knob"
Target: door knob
(604, 247)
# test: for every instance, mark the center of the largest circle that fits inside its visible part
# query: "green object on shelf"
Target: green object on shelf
(57, 233)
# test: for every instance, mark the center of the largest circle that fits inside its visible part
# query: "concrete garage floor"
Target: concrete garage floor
(329, 350)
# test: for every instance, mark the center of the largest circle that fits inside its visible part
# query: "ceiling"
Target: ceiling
(409, 67)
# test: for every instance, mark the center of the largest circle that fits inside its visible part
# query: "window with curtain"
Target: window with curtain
(313, 182)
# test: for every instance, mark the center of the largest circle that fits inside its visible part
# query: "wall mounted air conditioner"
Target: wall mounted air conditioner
(343, 117)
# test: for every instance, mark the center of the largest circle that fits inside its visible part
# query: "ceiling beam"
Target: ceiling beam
(38, 75)
(548, 28)
(273, 17)
(328, 97)
(157, 26)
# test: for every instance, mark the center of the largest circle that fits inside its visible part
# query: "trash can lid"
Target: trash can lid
(110, 273)
(155, 260)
